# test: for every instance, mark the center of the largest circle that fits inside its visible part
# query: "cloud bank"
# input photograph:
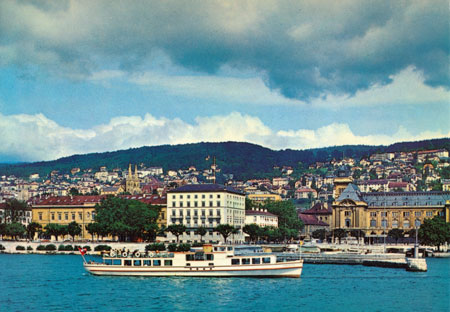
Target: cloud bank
(35, 137)
(305, 49)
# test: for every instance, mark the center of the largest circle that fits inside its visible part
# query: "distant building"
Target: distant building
(322, 212)
(280, 181)
(445, 185)
(379, 185)
(23, 217)
(377, 213)
(305, 193)
(423, 155)
(74, 171)
(400, 186)
(260, 197)
(261, 217)
(34, 176)
(383, 156)
(311, 224)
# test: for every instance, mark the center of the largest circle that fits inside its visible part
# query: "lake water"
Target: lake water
(59, 283)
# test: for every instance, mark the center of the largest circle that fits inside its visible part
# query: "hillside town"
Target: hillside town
(410, 185)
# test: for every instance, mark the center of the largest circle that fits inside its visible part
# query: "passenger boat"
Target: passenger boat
(208, 261)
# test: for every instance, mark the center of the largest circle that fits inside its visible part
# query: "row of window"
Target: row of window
(20, 213)
(188, 213)
(195, 221)
(384, 223)
(244, 261)
(195, 204)
(236, 220)
(395, 214)
(67, 216)
(428, 203)
(195, 196)
(138, 262)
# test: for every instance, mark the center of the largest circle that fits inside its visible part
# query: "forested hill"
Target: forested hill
(244, 160)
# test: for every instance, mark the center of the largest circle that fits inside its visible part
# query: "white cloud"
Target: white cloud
(406, 88)
(35, 137)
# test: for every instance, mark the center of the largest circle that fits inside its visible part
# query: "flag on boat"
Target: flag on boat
(82, 251)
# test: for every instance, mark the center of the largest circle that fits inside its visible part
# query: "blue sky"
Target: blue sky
(78, 77)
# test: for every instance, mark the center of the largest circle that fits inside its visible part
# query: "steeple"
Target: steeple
(135, 171)
(129, 171)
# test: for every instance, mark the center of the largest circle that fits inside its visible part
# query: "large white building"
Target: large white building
(206, 205)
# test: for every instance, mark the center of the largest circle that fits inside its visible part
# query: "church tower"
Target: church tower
(132, 183)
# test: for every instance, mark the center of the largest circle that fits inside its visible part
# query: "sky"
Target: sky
(91, 76)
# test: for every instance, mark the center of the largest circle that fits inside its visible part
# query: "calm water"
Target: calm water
(59, 283)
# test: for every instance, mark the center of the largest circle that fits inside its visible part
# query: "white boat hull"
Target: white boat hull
(282, 269)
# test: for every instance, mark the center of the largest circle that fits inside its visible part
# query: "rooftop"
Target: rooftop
(193, 188)
(259, 213)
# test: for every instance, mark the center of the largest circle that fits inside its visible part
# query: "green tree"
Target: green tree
(249, 204)
(119, 229)
(225, 230)
(253, 231)
(396, 234)
(2, 229)
(63, 230)
(358, 234)
(288, 234)
(73, 191)
(201, 230)
(319, 234)
(177, 230)
(93, 229)
(15, 229)
(127, 219)
(435, 232)
(73, 229)
(339, 234)
(32, 228)
(151, 230)
(52, 229)
(14, 209)
(286, 212)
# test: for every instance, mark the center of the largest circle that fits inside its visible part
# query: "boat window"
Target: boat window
(137, 263)
(147, 262)
(108, 261)
(168, 262)
(235, 261)
(211, 264)
(127, 262)
(230, 248)
(245, 260)
(209, 257)
(156, 262)
(189, 257)
(117, 262)
(256, 260)
(266, 260)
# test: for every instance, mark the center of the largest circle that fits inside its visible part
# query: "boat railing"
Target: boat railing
(288, 257)
(124, 254)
